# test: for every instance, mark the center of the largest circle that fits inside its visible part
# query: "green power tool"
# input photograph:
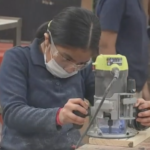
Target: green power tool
(113, 114)
(117, 116)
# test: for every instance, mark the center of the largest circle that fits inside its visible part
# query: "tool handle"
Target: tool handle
(137, 125)
(76, 126)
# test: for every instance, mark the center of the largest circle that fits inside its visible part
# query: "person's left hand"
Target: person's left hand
(143, 117)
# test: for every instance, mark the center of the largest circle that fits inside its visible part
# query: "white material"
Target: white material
(7, 21)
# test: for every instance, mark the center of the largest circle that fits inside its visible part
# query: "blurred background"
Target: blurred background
(33, 13)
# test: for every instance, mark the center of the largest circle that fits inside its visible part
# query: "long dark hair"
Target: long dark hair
(74, 27)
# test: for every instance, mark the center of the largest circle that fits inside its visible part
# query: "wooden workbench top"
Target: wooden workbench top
(143, 146)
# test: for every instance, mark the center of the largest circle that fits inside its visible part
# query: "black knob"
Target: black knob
(137, 125)
(131, 86)
(82, 116)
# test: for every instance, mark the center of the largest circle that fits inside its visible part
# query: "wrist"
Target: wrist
(57, 118)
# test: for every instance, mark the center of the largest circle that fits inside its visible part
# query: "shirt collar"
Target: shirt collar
(36, 53)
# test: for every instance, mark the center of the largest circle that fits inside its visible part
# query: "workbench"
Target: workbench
(143, 146)
(12, 23)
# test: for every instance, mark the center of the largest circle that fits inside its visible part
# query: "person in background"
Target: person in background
(124, 31)
(42, 84)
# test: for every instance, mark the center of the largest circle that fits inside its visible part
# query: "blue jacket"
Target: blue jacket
(30, 97)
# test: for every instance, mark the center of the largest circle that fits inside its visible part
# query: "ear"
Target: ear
(46, 41)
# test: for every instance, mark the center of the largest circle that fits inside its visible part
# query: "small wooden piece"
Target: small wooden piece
(98, 147)
(130, 142)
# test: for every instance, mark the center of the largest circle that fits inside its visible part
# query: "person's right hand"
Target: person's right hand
(143, 117)
(66, 114)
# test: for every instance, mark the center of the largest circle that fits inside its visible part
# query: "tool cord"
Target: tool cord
(116, 76)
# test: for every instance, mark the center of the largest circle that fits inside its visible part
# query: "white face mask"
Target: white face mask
(56, 70)
(53, 67)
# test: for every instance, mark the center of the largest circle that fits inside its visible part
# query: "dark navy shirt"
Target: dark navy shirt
(30, 97)
(127, 18)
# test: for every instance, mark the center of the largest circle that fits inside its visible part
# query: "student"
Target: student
(124, 31)
(41, 84)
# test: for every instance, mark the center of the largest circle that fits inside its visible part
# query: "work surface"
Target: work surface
(143, 146)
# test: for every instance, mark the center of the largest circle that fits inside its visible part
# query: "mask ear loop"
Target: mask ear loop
(50, 36)
(51, 42)
(45, 52)
(53, 50)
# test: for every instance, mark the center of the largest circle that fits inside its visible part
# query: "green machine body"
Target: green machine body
(103, 74)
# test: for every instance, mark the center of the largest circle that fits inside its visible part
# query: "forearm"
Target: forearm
(145, 4)
(107, 50)
(108, 42)
(146, 92)
(28, 119)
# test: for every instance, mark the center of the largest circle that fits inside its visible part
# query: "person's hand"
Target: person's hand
(66, 114)
(143, 117)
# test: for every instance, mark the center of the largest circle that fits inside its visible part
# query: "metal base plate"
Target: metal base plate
(95, 132)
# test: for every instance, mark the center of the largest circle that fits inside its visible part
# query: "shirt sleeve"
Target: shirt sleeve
(89, 80)
(110, 13)
(13, 98)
